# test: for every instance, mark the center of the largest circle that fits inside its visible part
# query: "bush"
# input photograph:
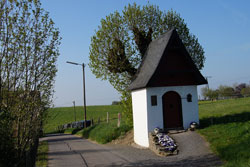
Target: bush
(127, 108)
(7, 150)
(116, 102)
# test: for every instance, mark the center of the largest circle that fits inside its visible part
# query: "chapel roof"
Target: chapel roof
(167, 63)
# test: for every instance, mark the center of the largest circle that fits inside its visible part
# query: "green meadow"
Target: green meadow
(102, 132)
(226, 126)
(62, 115)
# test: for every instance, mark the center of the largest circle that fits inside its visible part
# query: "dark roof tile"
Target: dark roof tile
(151, 60)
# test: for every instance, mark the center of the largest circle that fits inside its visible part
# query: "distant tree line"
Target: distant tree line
(28, 53)
(226, 92)
(116, 102)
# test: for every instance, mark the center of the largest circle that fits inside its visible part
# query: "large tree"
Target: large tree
(29, 45)
(119, 44)
(226, 91)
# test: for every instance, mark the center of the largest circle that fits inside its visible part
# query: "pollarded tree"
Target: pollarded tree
(119, 44)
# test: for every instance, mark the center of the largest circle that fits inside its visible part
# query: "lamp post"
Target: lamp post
(74, 109)
(84, 94)
(207, 80)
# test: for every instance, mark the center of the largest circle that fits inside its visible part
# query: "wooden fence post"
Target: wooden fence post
(107, 117)
(119, 120)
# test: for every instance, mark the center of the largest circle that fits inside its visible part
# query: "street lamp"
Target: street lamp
(207, 80)
(84, 95)
(74, 109)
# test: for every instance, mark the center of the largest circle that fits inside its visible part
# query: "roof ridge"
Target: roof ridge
(148, 73)
(169, 32)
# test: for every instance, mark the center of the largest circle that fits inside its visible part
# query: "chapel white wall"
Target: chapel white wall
(140, 118)
(189, 109)
(147, 117)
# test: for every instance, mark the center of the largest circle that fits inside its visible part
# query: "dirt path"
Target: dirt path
(68, 150)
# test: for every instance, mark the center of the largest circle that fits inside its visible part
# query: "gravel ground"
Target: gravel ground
(193, 151)
(69, 150)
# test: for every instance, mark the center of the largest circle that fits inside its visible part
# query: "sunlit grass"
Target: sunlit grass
(104, 132)
(42, 154)
(226, 125)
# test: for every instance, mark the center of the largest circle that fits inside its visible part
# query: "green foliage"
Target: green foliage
(121, 40)
(226, 91)
(245, 91)
(229, 135)
(126, 101)
(28, 53)
(116, 102)
(119, 44)
(62, 115)
(209, 93)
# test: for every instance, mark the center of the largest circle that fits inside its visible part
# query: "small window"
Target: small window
(189, 98)
(153, 100)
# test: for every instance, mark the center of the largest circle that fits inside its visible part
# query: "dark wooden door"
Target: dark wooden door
(172, 110)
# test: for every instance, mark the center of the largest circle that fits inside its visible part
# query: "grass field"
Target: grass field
(226, 125)
(63, 115)
(102, 133)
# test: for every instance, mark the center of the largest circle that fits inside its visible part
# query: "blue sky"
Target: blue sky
(222, 27)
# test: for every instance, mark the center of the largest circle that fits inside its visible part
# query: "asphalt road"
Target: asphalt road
(71, 151)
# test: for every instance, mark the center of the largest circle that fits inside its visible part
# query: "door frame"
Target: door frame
(180, 110)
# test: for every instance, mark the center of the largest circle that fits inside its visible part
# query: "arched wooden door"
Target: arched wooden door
(172, 110)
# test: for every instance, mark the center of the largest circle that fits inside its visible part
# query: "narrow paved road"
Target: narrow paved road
(71, 151)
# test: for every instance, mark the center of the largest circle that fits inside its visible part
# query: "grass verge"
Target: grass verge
(71, 131)
(103, 132)
(226, 126)
(42, 154)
